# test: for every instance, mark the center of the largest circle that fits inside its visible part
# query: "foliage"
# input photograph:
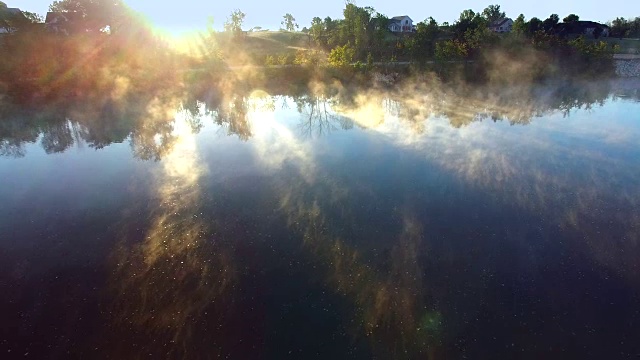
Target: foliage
(519, 25)
(362, 27)
(310, 58)
(209, 47)
(44, 64)
(571, 18)
(270, 61)
(550, 22)
(286, 59)
(96, 14)
(379, 28)
(341, 56)
(451, 50)
(621, 27)
(362, 36)
(468, 20)
(355, 29)
(479, 38)
(316, 31)
(289, 22)
(590, 49)
(33, 17)
(13, 21)
(422, 45)
(534, 25)
(492, 13)
(234, 22)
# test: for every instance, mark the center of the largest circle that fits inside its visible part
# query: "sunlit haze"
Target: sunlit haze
(192, 15)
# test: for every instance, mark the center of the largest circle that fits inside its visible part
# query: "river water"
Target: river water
(429, 224)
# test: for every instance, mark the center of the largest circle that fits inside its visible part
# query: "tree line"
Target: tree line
(362, 35)
(623, 28)
(111, 40)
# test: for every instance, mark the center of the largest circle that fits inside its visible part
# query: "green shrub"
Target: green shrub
(341, 56)
(285, 59)
(310, 58)
(270, 60)
(451, 50)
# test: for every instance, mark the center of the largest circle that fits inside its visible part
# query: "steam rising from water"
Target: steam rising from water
(180, 271)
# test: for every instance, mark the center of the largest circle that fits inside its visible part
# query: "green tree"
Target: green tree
(208, 46)
(423, 43)
(234, 22)
(5, 17)
(96, 14)
(332, 32)
(620, 28)
(341, 56)
(550, 22)
(467, 15)
(379, 28)
(13, 20)
(33, 17)
(451, 50)
(289, 22)
(478, 39)
(468, 20)
(534, 25)
(492, 13)
(520, 25)
(571, 18)
(355, 29)
(316, 31)
(634, 27)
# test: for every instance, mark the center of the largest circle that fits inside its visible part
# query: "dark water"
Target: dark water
(432, 224)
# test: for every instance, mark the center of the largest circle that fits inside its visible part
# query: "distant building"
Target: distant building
(501, 26)
(587, 28)
(10, 17)
(401, 24)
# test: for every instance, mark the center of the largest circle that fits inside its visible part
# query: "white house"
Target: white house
(501, 26)
(401, 24)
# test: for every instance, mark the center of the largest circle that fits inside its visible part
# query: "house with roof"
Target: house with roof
(590, 29)
(9, 17)
(503, 25)
(401, 24)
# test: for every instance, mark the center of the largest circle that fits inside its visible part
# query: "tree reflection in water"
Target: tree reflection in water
(391, 307)
(180, 278)
(317, 117)
(181, 274)
(146, 120)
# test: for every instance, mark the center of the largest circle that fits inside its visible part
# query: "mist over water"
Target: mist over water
(431, 221)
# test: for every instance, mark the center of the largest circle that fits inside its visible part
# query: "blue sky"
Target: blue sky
(187, 15)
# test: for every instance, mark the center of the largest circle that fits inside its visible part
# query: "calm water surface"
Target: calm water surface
(251, 226)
